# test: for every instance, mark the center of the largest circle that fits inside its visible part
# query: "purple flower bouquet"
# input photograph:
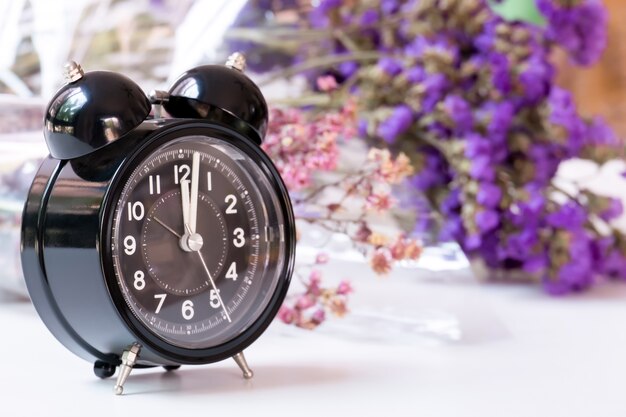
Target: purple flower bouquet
(471, 98)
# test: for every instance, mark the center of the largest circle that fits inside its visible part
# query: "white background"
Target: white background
(503, 350)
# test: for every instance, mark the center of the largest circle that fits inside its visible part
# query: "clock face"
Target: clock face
(198, 241)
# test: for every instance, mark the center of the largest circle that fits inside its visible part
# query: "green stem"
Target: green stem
(321, 62)
(318, 100)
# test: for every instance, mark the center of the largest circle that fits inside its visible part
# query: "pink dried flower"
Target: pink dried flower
(305, 301)
(379, 202)
(404, 248)
(319, 316)
(363, 233)
(326, 83)
(321, 258)
(344, 288)
(413, 250)
(381, 261)
(286, 314)
(301, 146)
(315, 279)
(339, 307)
(398, 249)
(389, 170)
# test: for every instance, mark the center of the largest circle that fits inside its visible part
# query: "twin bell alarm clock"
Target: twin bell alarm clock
(157, 232)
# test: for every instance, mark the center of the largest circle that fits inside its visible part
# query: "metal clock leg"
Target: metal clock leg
(129, 358)
(243, 365)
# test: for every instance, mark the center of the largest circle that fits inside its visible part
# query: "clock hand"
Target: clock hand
(174, 232)
(184, 193)
(193, 208)
(206, 269)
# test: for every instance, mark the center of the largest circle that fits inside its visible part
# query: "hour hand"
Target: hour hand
(186, 202)
(184, 192)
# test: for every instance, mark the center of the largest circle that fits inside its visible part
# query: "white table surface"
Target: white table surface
(517, 352)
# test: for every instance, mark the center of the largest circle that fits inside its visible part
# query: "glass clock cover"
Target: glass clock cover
(197, 241)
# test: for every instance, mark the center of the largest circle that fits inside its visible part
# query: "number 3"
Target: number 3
(239, 239)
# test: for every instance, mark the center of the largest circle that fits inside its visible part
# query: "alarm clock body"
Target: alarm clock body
(111, 257)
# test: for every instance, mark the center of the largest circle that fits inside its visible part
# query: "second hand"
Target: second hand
(206, 269)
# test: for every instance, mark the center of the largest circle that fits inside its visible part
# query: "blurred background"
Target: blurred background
(154, 41)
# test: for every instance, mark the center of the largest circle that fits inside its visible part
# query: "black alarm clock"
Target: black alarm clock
(157, 240)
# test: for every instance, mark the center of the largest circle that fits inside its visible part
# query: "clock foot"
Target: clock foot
(169, 368)
(129, 358)
(243, 365)
(103, 370)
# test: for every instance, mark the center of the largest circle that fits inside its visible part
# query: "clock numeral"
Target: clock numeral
(232, 200)
(214, 300)
(187, 310)
(129, 245)
(161, 298)
(232, 272)
(181, 173)
(155, 184)
(209, 181)
(136, 211)
(239, 239)
(140, 280)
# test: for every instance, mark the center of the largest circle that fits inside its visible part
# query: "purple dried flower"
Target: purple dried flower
(389, 6)
(600, 133)
(483, 154)
(578, 27)
(569, 216)
(545, 162)
(577, 274)
(348, 69)
(390, 66)
(319, 15)
(452, 229)
(487, 220)
(422, 45)
(519, 245)
(608, 260)
(369, 17)
(614, 209)
(498, 118)
(433, 172)
(452, 203)
(416, 74)
(489, 195)
(435, 87)
(500, 72)
(485, 40)
(396, 124)
(563, 113)
(482, 169)
(472, 242)
(536, 79)
(362, 128)
(460, 112)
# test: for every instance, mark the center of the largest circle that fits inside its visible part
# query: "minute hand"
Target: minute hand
(193, 208)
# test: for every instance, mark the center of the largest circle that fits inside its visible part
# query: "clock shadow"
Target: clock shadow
(206, 380)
